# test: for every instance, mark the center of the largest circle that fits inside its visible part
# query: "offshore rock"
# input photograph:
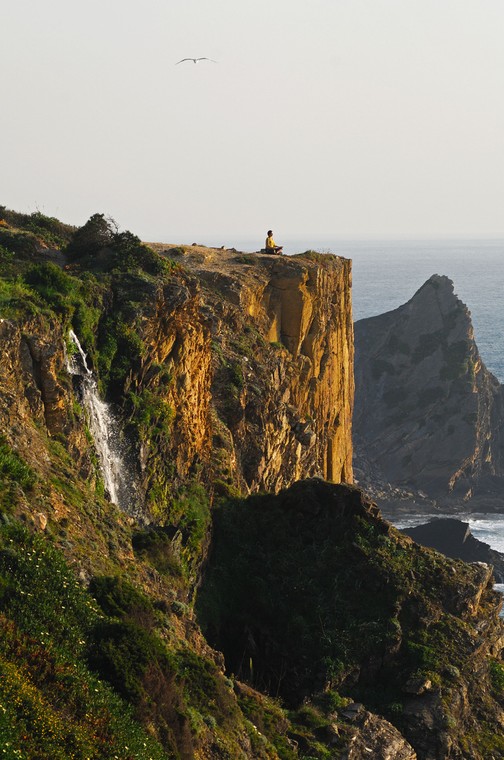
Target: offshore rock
(453, 538)
(428, 414)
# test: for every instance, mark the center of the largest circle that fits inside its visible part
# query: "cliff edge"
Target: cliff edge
(280, 362)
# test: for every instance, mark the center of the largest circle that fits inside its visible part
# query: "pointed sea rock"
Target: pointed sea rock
(428, 413)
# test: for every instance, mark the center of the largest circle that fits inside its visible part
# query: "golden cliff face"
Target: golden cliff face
(247, 361)
(262, 362)
(178, 338)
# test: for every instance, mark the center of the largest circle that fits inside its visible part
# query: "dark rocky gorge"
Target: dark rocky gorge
(252, 610)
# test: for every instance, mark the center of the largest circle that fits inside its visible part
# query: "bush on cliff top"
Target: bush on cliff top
(47, 228)
(99, 245)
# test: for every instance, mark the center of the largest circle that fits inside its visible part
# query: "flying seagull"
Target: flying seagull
(195, 60)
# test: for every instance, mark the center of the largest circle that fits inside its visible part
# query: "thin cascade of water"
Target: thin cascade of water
(106, 432)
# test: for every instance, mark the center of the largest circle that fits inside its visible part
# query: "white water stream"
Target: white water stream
(106, 432)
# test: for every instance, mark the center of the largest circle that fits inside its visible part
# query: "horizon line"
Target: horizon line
(325, 237)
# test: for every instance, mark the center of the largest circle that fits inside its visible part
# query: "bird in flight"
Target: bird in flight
(195, 60)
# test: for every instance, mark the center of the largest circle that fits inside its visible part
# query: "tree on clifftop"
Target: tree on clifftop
(97, 234)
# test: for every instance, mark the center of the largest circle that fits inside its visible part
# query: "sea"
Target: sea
(387, 273)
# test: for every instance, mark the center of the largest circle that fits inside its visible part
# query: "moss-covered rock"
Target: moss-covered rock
(311, 590)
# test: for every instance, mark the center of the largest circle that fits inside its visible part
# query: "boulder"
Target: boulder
(453, 538)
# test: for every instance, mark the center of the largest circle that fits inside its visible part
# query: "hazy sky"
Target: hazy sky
(349, 117)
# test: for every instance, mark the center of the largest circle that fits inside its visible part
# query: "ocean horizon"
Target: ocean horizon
(388, 272)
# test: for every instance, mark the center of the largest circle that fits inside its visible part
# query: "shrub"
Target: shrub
(58, 289)
(120, 599)
(152, 415)
(121, 652)
(91, 238)
(40, 593)
(13, 468)
(497, 676)
(155, 545)
(24, 244)
(50, 230)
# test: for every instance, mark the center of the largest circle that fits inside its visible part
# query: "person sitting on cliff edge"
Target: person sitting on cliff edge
(271, 246)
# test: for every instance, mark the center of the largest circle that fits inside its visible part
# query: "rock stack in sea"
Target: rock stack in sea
(428, 414)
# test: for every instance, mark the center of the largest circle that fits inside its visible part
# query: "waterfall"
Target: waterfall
(106, 431)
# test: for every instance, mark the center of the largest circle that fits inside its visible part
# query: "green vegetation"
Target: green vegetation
(47, 229)
(52, 704)
(100, 655)
(155, 546)
(103, 295)
(236, 376)
(152, 415)
(319, 258)
(100, 246)
(380, 366)
(321, 597)
(81, 676)
(428, 343)
(13, 468)
(497, 677)
(457, 361)
(15, 473)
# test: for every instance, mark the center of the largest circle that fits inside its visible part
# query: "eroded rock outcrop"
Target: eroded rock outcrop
(428, 414)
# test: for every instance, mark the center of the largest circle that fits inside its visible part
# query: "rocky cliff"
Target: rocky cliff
(428, 414)
(277, 362)
(230, 374)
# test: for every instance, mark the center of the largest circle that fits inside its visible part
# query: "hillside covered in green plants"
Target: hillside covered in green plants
(234, 604)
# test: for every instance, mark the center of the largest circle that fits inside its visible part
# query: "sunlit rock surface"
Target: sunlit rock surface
(262, 354)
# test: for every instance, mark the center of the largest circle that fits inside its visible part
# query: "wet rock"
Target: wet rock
(453, 538)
